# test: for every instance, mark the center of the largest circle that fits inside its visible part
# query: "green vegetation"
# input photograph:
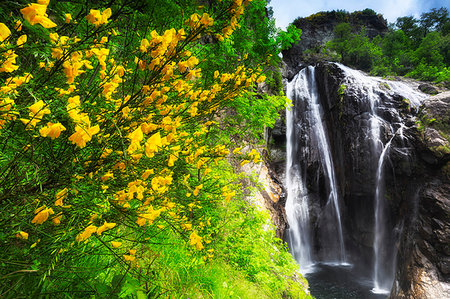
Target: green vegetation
(412, 48)
(118, 125)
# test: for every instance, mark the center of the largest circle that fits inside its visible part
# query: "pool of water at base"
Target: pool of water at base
(340, 282)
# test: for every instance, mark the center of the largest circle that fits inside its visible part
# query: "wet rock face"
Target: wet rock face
(417, 179)
(423, 268)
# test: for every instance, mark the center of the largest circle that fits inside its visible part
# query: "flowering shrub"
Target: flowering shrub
(111, 138)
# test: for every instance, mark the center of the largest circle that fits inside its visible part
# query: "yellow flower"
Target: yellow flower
(22, 235)
(196, 240)
(197, 189)
(97, 18)
(129, 258)
(36, 14)
(82, 135)
(9, 61)
(132, 251)
(21, 40)
(52, 130)
(116, 244)
(18, 26)
(68, 18)
(244, 162)
(146, 173)
(88, 231)
(42, 215)
(104, 227)
(4, 32)
(261, 79)
(37, 109)
(152, 144)
(57, 220)
(60, 196)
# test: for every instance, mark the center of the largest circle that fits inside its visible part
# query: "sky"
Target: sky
(285, 11)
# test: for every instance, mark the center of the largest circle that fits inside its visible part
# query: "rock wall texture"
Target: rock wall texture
(417, 184)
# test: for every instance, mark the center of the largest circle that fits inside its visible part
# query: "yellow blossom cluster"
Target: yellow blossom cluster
(36, 13)
(98, 18)
(8, 91)
(153, 163)
(37, 111)
(83, 129)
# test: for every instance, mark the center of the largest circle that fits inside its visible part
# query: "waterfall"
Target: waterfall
(302, 91)
(368, 123)
(383, 266)
(297, 209)
(370, 90)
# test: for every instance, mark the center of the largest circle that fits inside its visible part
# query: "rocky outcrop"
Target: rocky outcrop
(318, 29)
(417, 185)
(267, 189)
(423, 268)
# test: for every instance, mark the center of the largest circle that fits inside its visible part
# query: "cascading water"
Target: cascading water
(367, 123)
(384, 252)
(302, 90)
(297, 209)
(383, 264)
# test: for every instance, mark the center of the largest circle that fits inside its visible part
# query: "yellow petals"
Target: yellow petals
(88, 231)
(36, 14)
(96, 18)
(197, 189)
(38, 108)
(68, 18)
(18, 26)
(107, 176)
(227, 194)
(129, 258)
(149, 216)
(146, 173)
(186, 226)
(60, 196)
(244, 162)
(42, 215)
(196, 240)
(22, 235)
(9, 63)
(104, 227)
(4, 32)
(261, 79)
(57, 220)
(83, 135)
(132, 251)
(152, 144)
(52, 130)
(116, 244)
(21, 40)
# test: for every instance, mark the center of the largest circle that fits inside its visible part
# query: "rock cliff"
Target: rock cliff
(318, 29)
(416, 177)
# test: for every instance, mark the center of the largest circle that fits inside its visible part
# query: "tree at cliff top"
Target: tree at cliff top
(415, 48)
(113, 173)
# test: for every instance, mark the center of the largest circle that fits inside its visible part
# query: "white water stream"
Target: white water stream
(305, 122)
(297, 206)
(303, 88)
(370, 89)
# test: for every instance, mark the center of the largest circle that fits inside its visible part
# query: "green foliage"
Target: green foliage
(417, 48)
(254, 113)
(168, 194)
(287, 38)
